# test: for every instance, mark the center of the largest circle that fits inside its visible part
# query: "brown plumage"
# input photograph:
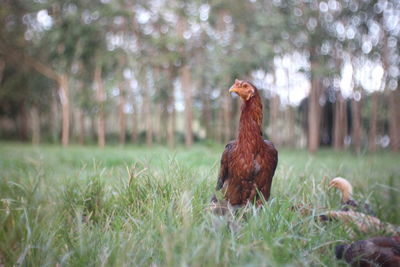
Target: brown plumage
(376, 251)
(248, 164)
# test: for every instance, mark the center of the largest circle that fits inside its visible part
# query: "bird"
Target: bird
(347, 201)
(225, 214)
(248, 163)
(360, 221)
(375, 251)
(351, 214)
(218, 207)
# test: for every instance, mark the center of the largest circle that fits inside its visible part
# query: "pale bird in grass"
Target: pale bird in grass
(362, 222)
(347, 192)
(351, 214)
(344, 186)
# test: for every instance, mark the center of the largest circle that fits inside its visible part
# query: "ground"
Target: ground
(84, 206)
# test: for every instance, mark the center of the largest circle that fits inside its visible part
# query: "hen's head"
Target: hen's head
(243, 89)
(343, 185)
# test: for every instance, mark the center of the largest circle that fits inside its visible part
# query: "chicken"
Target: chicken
(360, 221)
(225, 214)
(376, 251)
(352, 215)
(348, 202)
(219, 207)
(248, 164)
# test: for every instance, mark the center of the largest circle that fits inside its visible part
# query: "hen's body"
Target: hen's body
(376, 251)
(248, 164)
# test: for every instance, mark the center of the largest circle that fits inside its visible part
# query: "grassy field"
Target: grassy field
(83, 206)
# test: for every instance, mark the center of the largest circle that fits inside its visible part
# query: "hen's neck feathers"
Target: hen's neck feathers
(250, 122)
(347, 191)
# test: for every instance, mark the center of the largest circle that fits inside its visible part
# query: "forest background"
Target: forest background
(158, 72)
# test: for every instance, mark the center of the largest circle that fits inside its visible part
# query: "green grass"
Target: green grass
(83, 206)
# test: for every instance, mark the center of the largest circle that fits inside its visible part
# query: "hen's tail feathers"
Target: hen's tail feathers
(340, 250)
(220, 184)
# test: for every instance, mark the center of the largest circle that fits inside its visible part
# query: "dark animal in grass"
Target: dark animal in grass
(248, 163)
(376, 251)
(347, 201)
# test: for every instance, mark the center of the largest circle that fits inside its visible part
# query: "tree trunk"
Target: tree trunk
(220, 121)
(393, 132)
(171, 124)
(206, 114)
(93, 127)
(394, 99)
(65, 107)
(186, 82)
(340, 122)
(394, 119)
(344, 122)
(121, 114)
(35, 125)
(274, 118)
(78, 124)
(340, 112)
(159, 105)
(147, 116)
(2, 67)
(54, 118)
(171, 119)
(100, 95)
(227, 115)
(274, 105)
(22, 123)
(290, 119)
(290, 115)
(186, 85)
(356, 124)
(373, 122)
(314, 108)
(164, 118)
(122, 97)
(157, 127)
(81, 120)
(134, 135)
(356, 106)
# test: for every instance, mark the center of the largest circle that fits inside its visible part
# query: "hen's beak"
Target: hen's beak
(233, 89)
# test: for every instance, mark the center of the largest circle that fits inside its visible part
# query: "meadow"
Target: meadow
(126, 206)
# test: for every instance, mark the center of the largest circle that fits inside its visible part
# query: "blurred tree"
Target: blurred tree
(100, 98)
(309, 25)
(186, 82)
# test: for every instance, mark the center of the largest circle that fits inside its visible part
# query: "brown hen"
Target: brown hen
(376, 251)
(248, 163)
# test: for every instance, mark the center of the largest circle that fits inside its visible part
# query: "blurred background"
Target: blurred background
(158, 71)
